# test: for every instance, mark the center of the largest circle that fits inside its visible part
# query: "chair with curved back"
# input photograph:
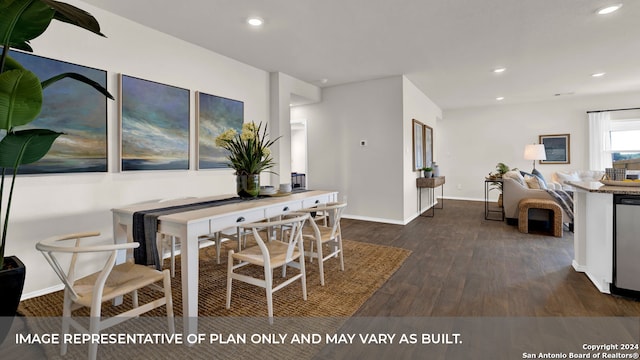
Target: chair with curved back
(325, 233)
(215, 239)
(111, 282)
(270, 254)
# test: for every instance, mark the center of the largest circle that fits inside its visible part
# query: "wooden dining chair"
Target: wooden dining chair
(323, 232)
(107, 284)
(270, 253)
(215, 239)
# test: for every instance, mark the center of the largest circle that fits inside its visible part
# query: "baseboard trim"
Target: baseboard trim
(577, 267)
(408, 220)
(603, 288)
(462, 198)
(41, 292)
(373, 219)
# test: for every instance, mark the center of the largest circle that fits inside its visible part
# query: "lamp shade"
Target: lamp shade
(535, 152)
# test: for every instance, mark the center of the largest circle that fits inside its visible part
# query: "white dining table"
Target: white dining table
(189, 225)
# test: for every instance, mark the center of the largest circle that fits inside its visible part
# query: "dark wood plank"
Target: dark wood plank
(463, 265)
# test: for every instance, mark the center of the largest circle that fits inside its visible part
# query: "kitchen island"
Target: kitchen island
(594, 230)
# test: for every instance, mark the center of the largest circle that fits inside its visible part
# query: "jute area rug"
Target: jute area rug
(367, 267)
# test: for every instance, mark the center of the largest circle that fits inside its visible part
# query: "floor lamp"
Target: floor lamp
(535, 152)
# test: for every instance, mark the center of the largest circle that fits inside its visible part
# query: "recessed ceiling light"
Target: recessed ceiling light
(609, 9)
(499, 70)
(324, 81)
(564, 93)
(598, 74)
(500, 98)
(255, 21)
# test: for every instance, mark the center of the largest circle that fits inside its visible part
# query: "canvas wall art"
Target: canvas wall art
(154, 125)
(73, 108)
(215, 115)
(557, 148)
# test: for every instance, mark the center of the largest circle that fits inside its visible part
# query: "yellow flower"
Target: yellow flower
(247, 135)
(249, 127)
(249, 151)
(226, 136)
(248, 131)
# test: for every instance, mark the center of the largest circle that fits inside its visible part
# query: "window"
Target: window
(625, 140)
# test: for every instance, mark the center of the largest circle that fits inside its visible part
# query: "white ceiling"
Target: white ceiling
(447, 48)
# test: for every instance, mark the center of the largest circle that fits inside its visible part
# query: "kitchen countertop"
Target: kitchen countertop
(598, 187)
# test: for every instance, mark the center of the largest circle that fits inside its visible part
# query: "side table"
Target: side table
(488, 209)
(430, 183)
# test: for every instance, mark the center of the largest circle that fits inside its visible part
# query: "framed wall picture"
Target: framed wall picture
(215, 114)
(154, 125)
(557, 148)
(418, 145)
(76, 110)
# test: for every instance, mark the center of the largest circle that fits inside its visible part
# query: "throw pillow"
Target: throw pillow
(563, 177)
(534, 182)
(515, 176)
(541, 183)
(539, 175)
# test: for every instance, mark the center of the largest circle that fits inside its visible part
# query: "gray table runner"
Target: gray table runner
(145, 226)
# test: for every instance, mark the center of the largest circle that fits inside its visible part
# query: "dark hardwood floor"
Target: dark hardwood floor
(463, 265)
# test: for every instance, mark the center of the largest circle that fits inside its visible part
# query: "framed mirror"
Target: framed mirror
(422, 145)
(418, 145)
(428, 146)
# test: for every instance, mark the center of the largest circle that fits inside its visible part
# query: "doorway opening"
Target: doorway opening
(298, 154)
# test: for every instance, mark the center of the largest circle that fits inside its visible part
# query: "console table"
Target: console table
(430, 183)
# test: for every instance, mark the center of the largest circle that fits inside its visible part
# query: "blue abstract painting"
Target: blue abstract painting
(215, 115)
(73, 108)
(155, 125)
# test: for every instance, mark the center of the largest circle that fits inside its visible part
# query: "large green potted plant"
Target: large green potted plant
(21, 97)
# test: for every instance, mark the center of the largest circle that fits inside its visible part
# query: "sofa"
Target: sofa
(516, 187)
(559, 178)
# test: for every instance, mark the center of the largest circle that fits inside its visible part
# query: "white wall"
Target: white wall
(369, 178)
(472, 141)
(416, 105)
(56, 204)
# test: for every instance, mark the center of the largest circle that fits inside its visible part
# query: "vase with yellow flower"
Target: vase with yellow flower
(249, 155)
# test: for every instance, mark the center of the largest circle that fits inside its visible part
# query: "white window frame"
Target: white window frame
(623, 125)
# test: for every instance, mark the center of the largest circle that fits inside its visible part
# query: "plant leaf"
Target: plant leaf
(80, 78)
(74, 16)
(23, 20)
(20, 98)
(12, 64)
(31, 145)
(23, 46)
